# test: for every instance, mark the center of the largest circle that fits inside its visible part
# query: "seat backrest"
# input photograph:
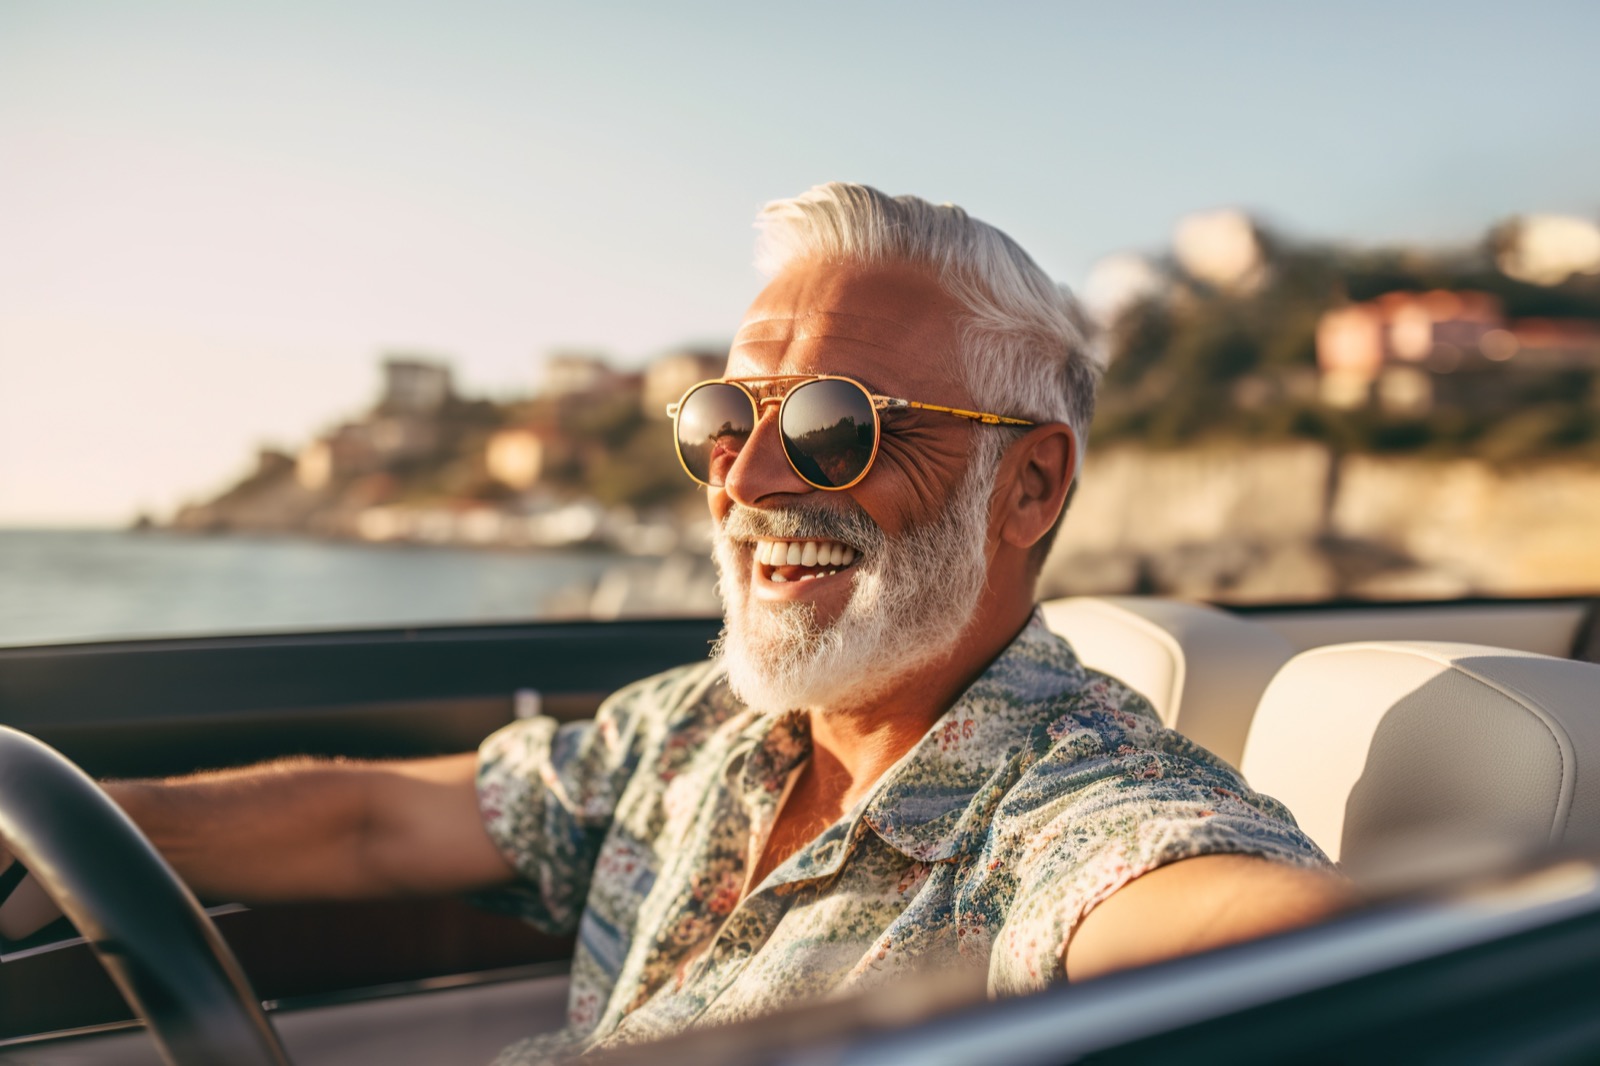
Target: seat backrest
(1380, 746)
(1201, 668)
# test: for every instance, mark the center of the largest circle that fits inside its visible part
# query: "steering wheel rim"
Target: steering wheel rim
(146, 927)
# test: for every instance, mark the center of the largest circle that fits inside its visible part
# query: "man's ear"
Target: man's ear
(1037, 473)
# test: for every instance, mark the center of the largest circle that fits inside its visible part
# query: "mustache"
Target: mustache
(852, 526)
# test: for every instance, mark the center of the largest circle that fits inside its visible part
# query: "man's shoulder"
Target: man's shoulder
(694, 695)
(1084, 724)
(1040, 681)
(1101, 764)
(1106, 727)
(1100, 748)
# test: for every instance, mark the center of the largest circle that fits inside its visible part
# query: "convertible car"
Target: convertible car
(1447, 753)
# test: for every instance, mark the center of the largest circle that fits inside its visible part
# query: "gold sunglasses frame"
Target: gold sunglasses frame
(877, 402)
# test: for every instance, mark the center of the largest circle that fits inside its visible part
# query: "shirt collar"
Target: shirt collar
(936, 803)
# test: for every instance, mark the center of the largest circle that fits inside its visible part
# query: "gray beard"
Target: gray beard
(912, 597)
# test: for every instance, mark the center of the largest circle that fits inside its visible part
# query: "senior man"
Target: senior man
(889, 764)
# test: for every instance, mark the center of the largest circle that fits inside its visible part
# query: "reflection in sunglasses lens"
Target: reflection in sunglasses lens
(828, 432)
(713, 424)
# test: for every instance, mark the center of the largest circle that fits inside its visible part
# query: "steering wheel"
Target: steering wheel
(149, 931)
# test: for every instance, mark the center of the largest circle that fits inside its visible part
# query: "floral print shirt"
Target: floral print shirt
(1044, 789)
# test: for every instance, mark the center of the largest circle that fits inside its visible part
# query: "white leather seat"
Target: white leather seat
(1201, 668)
(1381, 749)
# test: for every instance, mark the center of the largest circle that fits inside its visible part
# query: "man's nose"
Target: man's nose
(761, 469)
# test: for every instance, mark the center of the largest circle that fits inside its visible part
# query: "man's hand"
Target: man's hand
(1198, 904)
(309, 829)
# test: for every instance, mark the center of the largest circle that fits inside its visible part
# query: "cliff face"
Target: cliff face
(1295, 522)
(1532, 529)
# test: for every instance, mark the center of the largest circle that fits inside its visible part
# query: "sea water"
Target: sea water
(72, 585)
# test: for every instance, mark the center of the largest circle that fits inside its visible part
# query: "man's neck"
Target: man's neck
(853, 747)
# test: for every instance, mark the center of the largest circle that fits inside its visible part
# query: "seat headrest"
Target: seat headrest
(1375, 743)
(1202, 669)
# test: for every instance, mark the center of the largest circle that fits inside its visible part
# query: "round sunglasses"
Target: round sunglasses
(829, 425)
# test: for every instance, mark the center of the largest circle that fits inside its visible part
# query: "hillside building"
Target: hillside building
(414, 386)
(1409, 352)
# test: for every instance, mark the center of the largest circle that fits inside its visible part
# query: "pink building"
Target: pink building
(1407, 351)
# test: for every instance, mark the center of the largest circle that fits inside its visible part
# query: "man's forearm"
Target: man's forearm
(281, 831)
(309, 829)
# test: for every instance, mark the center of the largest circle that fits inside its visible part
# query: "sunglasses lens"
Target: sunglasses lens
(829, 430)
(714, 421)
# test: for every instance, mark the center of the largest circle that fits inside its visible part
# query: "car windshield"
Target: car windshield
(316, 320)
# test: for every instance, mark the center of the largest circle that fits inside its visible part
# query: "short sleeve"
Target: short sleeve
(1121, 815)
(548, 793)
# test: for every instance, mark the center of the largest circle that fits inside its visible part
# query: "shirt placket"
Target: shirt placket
(741, 800)
(754, 920)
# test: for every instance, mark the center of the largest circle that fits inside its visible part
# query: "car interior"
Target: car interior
(1350, 714)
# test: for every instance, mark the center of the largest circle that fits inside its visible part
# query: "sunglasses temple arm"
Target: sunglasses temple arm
(985, 417)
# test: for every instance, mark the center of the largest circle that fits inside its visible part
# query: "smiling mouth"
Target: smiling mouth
(802, 560)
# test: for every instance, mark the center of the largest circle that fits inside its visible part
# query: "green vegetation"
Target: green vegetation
(1199, 363)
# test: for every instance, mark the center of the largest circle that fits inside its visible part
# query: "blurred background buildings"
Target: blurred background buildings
(1279, 420)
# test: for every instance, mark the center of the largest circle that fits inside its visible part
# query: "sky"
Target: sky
(216, 217)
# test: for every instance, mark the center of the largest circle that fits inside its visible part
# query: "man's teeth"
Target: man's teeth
(804, 553)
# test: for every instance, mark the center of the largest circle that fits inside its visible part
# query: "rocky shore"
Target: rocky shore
(1296, 522)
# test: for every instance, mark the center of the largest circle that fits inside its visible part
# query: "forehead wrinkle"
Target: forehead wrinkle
(819, 312)
(801, 325)
(811, 339)
(807, 351)
(844, 339)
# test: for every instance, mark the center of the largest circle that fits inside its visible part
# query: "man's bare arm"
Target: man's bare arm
(315, 830)
(1198, 904)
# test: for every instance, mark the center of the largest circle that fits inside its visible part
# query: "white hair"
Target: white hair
(1025, 348)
